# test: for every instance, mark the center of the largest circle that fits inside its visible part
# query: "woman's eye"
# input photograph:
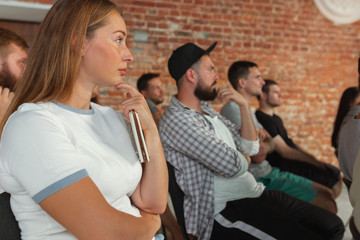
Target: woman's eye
(119, 40)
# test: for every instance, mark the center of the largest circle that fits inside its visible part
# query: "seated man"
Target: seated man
(12, 63)
(245, 78)
(149, 85)
(287, 155)
(222, 200)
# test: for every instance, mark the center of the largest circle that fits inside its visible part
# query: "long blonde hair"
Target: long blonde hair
(55, 55)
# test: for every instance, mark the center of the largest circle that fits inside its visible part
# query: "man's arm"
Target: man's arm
(266, 146)
(267, 139)
(247, 130)
(192, 136)
(294, 154)
(260, 157)
(231, 112)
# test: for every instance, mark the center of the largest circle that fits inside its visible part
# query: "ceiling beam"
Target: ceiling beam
(23, 11)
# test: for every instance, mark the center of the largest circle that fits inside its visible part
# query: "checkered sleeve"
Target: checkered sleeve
(192, 135)
(247, 147)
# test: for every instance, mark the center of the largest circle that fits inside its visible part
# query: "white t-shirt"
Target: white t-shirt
(46, 147)
(242, 184)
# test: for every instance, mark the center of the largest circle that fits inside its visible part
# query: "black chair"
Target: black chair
(354, 231)
(9, 228)
(177, 198)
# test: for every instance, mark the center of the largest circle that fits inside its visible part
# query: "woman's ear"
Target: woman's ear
(84, 45)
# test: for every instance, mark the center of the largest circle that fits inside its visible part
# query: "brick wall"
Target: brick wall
(312, 59)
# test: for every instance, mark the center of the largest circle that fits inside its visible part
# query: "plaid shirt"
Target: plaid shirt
(190, 145)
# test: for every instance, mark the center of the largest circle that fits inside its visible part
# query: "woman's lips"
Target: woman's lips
(122, 71)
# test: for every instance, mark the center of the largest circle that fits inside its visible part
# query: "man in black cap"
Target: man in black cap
(222, 200)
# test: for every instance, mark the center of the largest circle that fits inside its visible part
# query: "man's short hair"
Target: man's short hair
(266, 87)
(142, 82)
(239, 69)
(6, 38)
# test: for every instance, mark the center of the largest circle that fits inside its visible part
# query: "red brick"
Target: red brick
(312, 59)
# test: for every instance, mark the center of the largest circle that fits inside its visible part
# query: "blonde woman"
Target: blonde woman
(69, 164)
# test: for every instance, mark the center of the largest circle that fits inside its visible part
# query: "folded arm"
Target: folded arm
(193, 137)
(81, 208)
(293, 154)
(151, 193)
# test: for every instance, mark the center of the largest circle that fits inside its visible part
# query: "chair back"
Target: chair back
(177, 198)
(9, 228)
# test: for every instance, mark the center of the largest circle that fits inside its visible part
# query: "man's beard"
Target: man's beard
(205, 93)
(7, 79)
(272, 105)
(156, 101)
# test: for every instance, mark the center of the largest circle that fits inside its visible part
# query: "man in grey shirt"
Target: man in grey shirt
(246, 79)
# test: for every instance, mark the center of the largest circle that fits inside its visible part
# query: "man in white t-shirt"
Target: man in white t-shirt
(222, 200)
(12, 62)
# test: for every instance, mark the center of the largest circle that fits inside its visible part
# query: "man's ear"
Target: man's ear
(263, 96)
(190, 75)
(144, 93)
(241, 82)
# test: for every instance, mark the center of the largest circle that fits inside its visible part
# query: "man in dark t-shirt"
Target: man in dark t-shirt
(287, 155)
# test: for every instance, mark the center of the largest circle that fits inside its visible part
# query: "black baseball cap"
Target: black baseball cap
(184, 57)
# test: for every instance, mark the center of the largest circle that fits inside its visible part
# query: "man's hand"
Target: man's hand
(229, 93)
(6, 97)
(262, 134)
(247, 157)
(260, 157)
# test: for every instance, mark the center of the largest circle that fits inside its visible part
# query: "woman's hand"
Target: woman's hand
(151, 218)
(136, 101)
(151, 193)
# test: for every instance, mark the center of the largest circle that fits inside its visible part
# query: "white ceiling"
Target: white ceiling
(23, 11)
